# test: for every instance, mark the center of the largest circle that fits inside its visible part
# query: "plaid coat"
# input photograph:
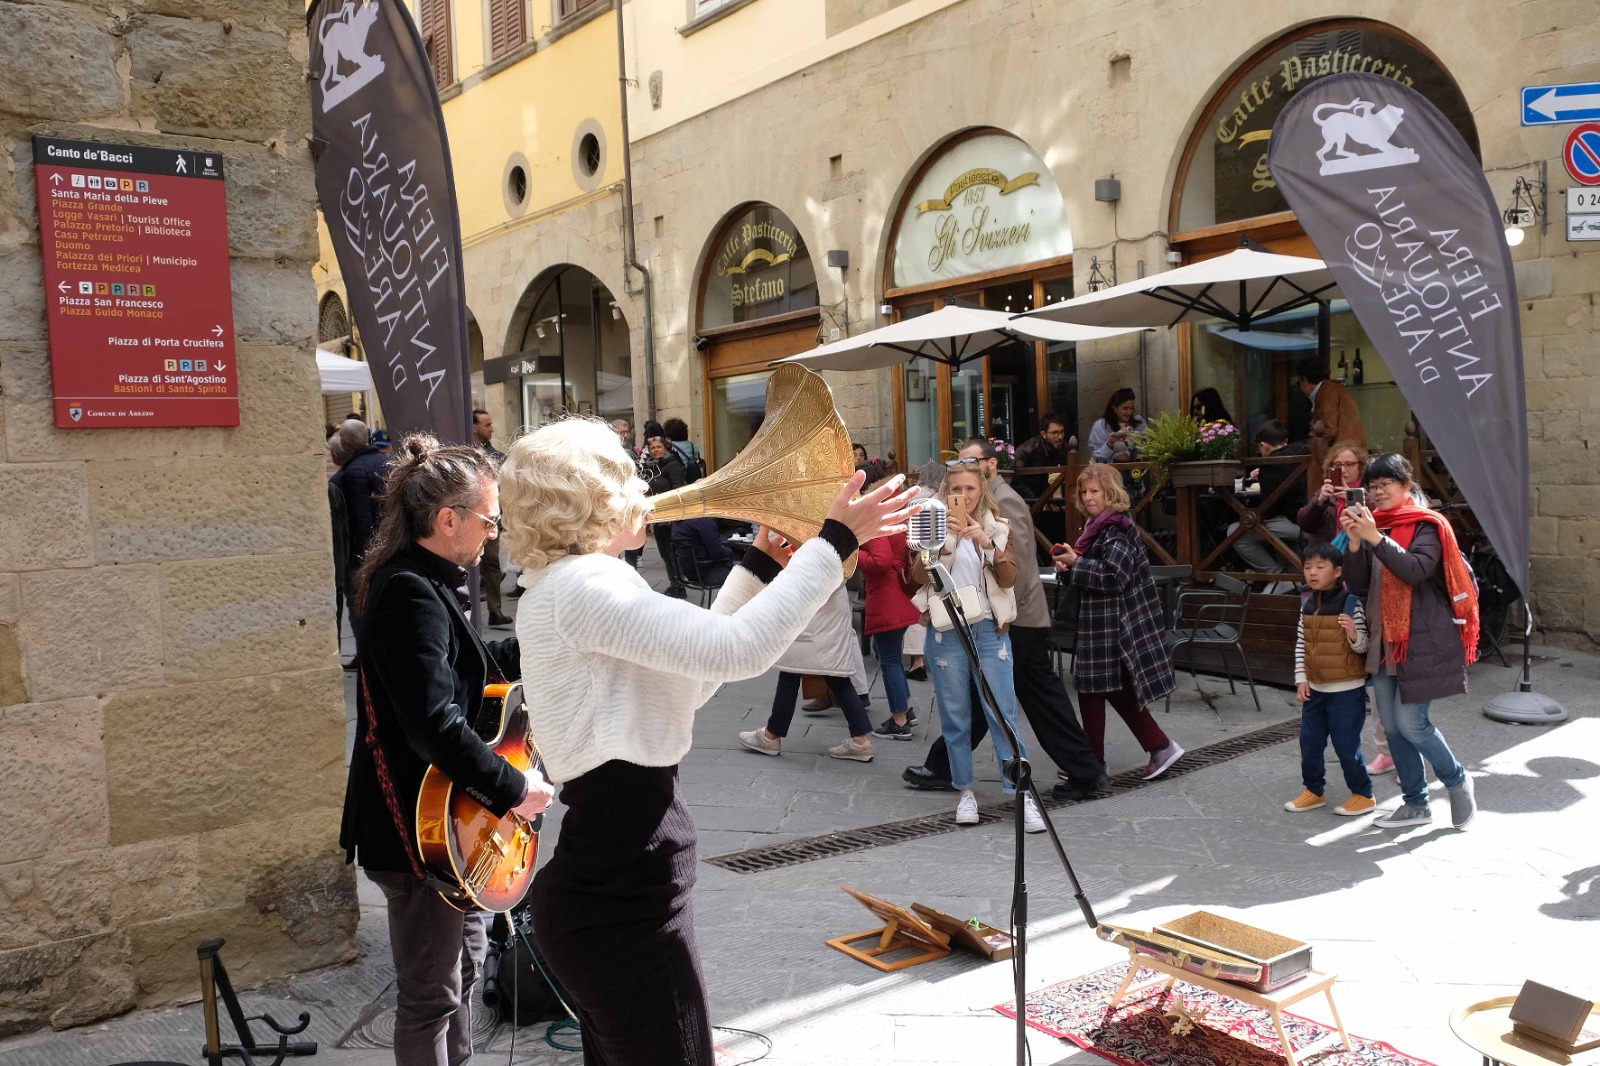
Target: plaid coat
(1119, 619)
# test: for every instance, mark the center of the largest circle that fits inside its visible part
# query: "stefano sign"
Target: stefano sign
(137, 291)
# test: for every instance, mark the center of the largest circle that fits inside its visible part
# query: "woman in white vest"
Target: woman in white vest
(827, 647)
(983, 568)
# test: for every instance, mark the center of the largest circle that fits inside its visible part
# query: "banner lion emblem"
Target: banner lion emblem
(343, 36)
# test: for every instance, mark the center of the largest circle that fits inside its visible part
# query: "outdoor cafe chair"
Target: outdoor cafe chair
(1219, 624)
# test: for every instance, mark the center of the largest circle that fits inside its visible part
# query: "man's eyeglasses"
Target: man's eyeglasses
(496, 523)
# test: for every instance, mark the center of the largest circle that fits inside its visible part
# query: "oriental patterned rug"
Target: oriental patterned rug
(1138, 1031)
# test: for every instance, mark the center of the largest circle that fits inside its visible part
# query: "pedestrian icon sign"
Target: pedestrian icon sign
(182, 169)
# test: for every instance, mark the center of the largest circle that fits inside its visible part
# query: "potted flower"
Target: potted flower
(1005, 455)
(1181, 450)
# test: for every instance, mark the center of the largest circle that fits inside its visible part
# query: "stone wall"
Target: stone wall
(1101, 88)
(172, 721)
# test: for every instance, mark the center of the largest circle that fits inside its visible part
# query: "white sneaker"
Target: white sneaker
(757, 740)
(1032, 819)
(850, 750)
(967, 810)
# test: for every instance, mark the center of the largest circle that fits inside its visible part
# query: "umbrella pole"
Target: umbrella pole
(1324, 332)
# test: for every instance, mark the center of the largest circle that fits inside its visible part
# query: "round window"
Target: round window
(515, 184)
(588, 154)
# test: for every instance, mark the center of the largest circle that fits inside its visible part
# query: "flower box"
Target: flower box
(1206, 472)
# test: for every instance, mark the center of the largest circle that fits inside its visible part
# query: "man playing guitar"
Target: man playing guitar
(423, 671)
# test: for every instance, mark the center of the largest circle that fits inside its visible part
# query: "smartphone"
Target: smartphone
(1356, 497)
(958, 510)
(1336, 476)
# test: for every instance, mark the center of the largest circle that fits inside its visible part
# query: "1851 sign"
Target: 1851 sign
(138, 298)
(987, 203)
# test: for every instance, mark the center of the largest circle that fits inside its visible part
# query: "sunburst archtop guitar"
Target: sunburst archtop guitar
(483, 862)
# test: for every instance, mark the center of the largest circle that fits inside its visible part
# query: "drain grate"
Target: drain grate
(845, 842)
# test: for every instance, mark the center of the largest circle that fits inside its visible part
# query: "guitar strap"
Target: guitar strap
(391, 799)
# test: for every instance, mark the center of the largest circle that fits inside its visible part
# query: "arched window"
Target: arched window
(757, 303)
(981, 220)
(1223, 176)
(1224, 191)
(573, 354)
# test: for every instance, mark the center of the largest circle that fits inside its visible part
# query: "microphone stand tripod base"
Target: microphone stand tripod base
(1524, 707)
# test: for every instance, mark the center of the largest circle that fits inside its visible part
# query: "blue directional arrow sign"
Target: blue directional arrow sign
(1551, 105)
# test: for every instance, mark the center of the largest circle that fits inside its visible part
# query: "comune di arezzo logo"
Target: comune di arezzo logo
(1362, 123)
(343, 36)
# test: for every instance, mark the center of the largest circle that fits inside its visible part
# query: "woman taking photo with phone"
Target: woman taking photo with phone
(1121, 657)
(983, 570)
(1422, 616)
(1343, 468)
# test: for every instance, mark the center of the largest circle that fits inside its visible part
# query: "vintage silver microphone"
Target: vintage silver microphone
(925, 530)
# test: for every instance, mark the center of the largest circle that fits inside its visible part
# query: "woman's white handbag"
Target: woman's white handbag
(966, 596)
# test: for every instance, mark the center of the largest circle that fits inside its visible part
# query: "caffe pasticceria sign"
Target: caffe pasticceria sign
(1240, 123)
(761, 268)
(987, 204)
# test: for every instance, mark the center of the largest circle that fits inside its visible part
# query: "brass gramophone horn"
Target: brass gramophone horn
(789, 473)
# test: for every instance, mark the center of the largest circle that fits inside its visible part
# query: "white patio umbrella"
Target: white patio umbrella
(1244, 286)
(954, 334)
(340, 374)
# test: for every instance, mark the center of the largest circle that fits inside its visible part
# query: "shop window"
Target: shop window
(738, 404)
(757, 304)
(920, 392)
(574, 353)
(1224, 176)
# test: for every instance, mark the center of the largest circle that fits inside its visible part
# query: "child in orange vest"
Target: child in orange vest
(1330, 676)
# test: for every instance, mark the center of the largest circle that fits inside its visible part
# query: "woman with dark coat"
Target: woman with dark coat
(663, 469)
(1121, 657)
(890, 613)
(1422, 614)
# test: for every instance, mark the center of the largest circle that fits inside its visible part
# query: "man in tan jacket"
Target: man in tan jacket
(1040, 692)
(1334, 417)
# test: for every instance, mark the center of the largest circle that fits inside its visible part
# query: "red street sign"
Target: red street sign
(137, 290)
(1581, 154)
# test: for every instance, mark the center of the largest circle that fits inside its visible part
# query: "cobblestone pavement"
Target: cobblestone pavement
(1415, 923)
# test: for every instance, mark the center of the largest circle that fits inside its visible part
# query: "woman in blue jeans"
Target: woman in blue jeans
(975, 552)
(1422, 620)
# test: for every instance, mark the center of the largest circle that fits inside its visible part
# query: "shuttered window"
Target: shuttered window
(435, 27)
(508, 26)
(572, 7)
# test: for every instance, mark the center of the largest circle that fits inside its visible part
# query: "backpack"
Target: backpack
(694, 464)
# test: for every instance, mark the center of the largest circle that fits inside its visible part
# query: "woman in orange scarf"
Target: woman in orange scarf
(1423, 611)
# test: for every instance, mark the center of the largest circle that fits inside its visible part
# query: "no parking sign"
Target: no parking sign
(1581, 154)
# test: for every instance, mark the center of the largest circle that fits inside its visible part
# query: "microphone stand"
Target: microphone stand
(1020, 773)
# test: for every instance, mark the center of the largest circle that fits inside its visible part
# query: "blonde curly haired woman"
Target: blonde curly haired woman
(620, 671)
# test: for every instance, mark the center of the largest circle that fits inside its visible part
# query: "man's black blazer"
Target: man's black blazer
(425, 667)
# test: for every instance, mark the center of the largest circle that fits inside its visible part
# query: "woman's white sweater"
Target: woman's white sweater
(612, 669)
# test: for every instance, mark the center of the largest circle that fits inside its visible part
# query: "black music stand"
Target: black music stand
(214, 982)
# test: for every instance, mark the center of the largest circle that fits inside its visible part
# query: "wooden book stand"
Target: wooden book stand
(901, 931)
